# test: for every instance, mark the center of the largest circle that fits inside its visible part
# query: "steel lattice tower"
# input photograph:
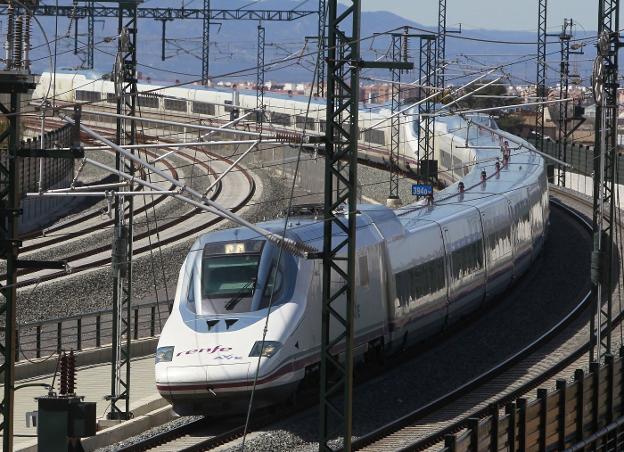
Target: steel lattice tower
(206, 43)
(90, 35)
(564, 88)
(605, 157)
(13, 84)
(395, 135)
(441, 44)
(540, 82)
(425, 133)
(340, 218)
(126, 90)
(260, 77)
(322, 26)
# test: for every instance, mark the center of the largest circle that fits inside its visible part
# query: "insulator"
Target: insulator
(120, 251)
(9, 37)
(63, 378)
(71, 373)
(27, 32)
(289, 137)
(295, 248)
(18, 42)
(483, 176)
(405, 47)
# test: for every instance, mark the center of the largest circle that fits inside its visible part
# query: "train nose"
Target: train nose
(203, 377)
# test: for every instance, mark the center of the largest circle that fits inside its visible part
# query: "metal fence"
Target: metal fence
(42, 339)
(585, 413)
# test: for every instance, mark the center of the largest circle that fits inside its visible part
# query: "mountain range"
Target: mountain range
(233, 46)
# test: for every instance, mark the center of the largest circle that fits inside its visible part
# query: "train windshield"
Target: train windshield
(240, 277)
(229, 276)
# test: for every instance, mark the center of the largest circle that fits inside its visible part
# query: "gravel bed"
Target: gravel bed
(179, 422)
(163, 213)
(539, 301)
(92, 291)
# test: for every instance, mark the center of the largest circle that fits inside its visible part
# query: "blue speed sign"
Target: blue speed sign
(421, 189)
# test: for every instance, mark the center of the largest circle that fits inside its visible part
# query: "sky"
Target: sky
(492, 14)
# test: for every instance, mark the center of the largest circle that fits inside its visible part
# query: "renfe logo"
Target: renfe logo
(217, 348)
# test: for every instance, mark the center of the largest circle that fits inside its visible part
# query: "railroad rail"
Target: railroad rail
(101, 255)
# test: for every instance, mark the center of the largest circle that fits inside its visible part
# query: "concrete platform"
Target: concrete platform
(94, 383)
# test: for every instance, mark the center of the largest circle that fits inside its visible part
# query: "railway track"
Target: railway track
(426, 427)
(444, 415)
(188, 223)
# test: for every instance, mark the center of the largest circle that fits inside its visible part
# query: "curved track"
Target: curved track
(551, 354)
(234, 191)
(460, 403)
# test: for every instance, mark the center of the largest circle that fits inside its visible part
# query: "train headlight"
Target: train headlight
(265, 349)
(164, 354)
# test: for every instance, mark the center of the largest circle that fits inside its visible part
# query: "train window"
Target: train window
(228, 277)
(445, 159)
(280, 118)
(175, 105)
(322, 126)
(467, 260)
(273, 287)
(279, 284)
(228, 107)
(304, 122)
(203, 108)
(111, 98)
(363, 264)
(224, 276)
(87, 96)
(375, 136)
(417, 282)
(147, 101)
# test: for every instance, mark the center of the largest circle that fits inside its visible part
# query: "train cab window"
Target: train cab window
(229, 276)
(273, 287)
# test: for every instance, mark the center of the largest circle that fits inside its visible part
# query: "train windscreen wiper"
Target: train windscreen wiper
(231, 304)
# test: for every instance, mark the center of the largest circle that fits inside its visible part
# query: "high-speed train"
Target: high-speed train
(419, 268)
(217, 105)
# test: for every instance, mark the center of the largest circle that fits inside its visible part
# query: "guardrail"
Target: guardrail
(585, 413)
(91, 330)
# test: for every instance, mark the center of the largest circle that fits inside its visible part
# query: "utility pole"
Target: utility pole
(441, 44)
(340, 212)
(126, 90)
(605, 85)
(260, 78)
(322, 25)
(206, 43)
(395, 134)
(540, 83)
(163, 39)
(340, 215)
(425, 120)
(90, 35)
(564, 88)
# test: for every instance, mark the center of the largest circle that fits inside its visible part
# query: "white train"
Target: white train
(419, 268)
(282, 112)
